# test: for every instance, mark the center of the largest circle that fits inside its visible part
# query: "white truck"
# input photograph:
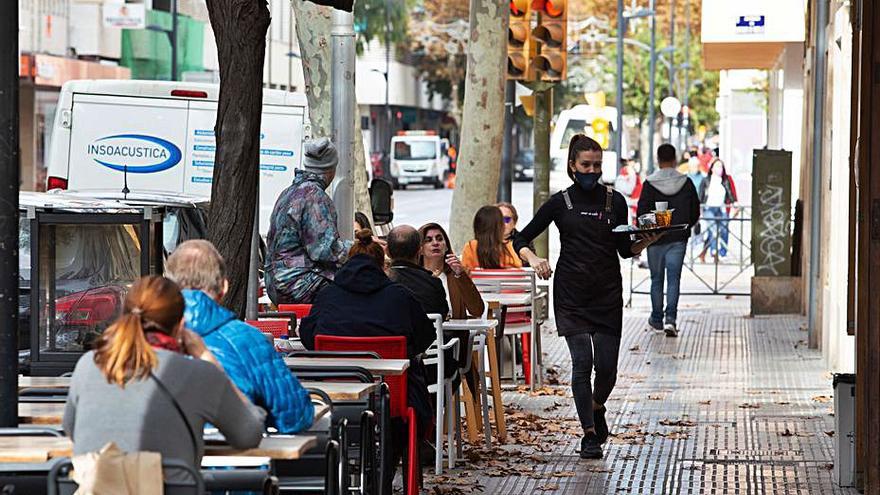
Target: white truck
(419, 157)
(158, 136)
(579, 119)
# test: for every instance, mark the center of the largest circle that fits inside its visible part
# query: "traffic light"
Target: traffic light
(552, 33)
(519, 45)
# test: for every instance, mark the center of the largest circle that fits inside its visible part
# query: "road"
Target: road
(419, 205)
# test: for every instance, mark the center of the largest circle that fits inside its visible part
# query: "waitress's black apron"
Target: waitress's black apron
(588, 287)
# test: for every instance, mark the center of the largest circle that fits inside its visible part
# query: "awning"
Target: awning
(749, 34)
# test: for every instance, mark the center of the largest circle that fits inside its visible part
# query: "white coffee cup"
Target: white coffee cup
(661, 205)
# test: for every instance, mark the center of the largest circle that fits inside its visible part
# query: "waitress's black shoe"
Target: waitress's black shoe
(600, 424)
(591, 448)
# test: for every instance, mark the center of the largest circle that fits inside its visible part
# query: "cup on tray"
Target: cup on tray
(663, 214)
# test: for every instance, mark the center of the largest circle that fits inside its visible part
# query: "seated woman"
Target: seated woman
(438, 258)
(488, 249)
(363, 302)
(151, 385)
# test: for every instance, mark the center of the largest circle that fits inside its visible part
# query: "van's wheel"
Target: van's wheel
(439, 184)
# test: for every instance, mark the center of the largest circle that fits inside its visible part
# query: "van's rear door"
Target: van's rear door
(117, 136)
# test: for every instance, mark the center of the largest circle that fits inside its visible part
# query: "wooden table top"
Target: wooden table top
(343, 391)
(385, 367)
(471, 324)
(51, 413)
(40, 449)
(40, 413)
(43, 382)
(514, 299)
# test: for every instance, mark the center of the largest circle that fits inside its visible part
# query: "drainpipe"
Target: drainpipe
(819, 88)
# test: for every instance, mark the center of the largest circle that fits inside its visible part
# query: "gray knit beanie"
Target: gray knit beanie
(320, 155)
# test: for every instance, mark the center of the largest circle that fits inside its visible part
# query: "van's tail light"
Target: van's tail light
(188, 93)
(56, 183)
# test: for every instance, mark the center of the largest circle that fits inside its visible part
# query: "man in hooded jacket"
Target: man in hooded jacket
(666, 256)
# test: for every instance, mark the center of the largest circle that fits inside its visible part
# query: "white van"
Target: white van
(419, 157)
(579, 119)
(158, 136)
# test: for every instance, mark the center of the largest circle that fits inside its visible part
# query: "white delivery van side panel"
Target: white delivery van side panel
(108, 146)
(281, 135)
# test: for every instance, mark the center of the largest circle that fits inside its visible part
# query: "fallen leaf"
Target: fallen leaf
(750, 406)
(678, 422)
(822, 398)
(705, 402)
(634, 348)
(655, 397)
(830, 433)
(548, 487)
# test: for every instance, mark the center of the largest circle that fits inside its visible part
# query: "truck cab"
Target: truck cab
(418, 157)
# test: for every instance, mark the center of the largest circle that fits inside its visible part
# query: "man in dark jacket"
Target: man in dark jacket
(363, 302)
(404, 245)
(666, 256)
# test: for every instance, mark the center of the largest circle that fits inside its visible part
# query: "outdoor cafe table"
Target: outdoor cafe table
(344, 391)
(487, 327)
(51, 413)
(338, 391)
(25, 449)
(384, 367)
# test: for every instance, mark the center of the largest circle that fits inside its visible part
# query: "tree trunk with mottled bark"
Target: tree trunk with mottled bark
(240, 30)
(313, 26)
(482, 132)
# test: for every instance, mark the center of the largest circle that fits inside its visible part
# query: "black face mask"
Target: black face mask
(587, 182)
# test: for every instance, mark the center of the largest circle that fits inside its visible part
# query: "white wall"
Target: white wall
(742, 126)
(838, 348)
(405, 86)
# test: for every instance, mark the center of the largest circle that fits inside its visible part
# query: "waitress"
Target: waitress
(588, 288)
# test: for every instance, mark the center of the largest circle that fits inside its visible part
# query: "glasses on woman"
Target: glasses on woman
(508, 219)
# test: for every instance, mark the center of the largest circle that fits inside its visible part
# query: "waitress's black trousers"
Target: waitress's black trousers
(588, 352)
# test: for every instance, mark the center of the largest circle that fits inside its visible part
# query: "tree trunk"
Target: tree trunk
(482, 133)
(313, 26)
(240, 29)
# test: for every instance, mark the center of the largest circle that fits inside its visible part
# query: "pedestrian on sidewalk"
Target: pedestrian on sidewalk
(718, 195)
(666, 256)
(588, 287)
(304, 249)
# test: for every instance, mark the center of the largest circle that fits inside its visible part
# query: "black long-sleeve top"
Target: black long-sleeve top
(588, 287)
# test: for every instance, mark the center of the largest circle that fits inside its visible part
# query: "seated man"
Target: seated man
(250, 361)
(304, 249)
(404, 247)
(363, 302)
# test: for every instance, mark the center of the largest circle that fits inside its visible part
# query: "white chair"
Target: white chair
(517, 284)
(445, 396)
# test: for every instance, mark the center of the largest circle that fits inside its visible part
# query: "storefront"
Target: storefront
(41, 79)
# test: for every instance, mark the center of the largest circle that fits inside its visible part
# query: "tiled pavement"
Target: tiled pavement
(735, 405)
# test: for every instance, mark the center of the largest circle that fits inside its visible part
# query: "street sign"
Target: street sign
(124, 15)
(670, 106)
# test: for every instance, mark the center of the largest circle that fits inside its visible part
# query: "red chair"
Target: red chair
(301, 310)
(277, 327)
(387, 348)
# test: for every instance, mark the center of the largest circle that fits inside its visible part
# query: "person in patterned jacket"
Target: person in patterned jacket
(304, 247)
